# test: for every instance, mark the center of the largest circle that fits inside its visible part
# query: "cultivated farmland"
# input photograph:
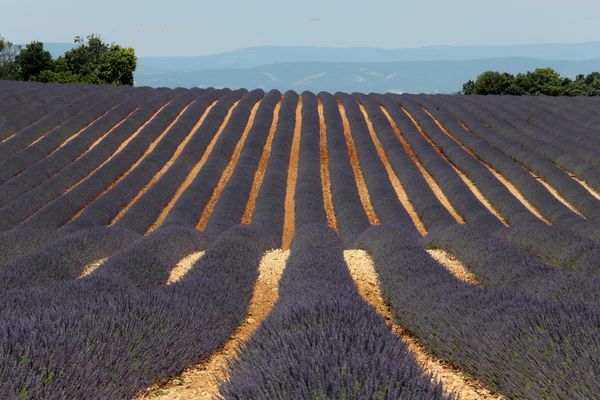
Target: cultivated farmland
(200, 243)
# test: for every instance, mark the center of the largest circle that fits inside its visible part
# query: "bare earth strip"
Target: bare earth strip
(474, 189)
(587, 187)
(148, 151)
(201, 381)
(259, 175)
(557, 195)
(325, 179)
(396, 184)
(454, 266)
(120, 148)
(361, 184)
(511, 188)
(289, 224)
(92, 267)
(183, 266)
(437, 191)
(194, 171)
(363, 272)
(201, 225)
(166, 166)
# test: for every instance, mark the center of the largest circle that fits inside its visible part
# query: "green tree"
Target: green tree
(469, 87)
(117, 66)
(94, 61)
(541, 81)
(33, 59)
(492, 82)
(8, 54)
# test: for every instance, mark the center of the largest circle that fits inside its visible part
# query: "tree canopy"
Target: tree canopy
(542, 81)
(8, 54)
(91, 61)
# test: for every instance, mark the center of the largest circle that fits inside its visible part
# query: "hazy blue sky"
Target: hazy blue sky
(196, 27)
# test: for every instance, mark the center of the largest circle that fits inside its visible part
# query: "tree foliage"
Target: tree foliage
(8, 54)
(32, 60)
(91, 61)
(542, 81)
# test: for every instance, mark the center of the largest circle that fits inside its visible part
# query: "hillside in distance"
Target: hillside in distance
(397, 77)
(263, 55)
(432, 69)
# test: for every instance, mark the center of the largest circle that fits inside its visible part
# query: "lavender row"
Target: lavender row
(521, 347)
(142, 214)
(269, 211)
(133, 330)
(309, 203)
(25, 112)
(188, 209)
(24, 206)
(546, 135)
(457, 192)
(232, 202)
(322, 340)
(384, 198)
(38, 129)
(40, 149)
(497, 194)
(503, 138)
(350, 214)
(58, 212)
(429, 208)
(535, 193)
(104, 208)
(498, 264)
(63, 258)
(36, 173)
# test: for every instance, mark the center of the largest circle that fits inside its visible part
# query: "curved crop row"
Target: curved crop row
(385, 201)
(521, 347)
(350, 213)
(498, 264)
(115, 343)
(146, 209)
(322, 340)
(463, 200)
(24, 206)
(62, 209)
(426, 204)
(106, 206)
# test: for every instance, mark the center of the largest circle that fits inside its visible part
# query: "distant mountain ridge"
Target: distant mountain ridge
(431, 69)
(403, 76)
(265, 55)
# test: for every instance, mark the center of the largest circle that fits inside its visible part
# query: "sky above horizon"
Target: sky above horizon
(196, 27)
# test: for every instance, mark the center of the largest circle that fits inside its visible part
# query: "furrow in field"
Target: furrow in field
(454, 266)
(183, 267)
(325, 178)
(292, 177)
(397, 185)
(206, 213)
(363, 272)
(148, 151)
(259, 176)
(435, 188)
(167, 165)
(361, 184)
(557, 195)
(478, 194)
(511, 188)
(201, 381)
(70, 138)
(194, 172)
(120, 148)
